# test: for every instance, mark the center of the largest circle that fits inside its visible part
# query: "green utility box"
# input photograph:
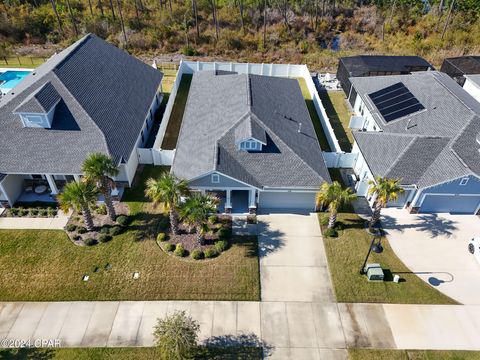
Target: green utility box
(374, 272)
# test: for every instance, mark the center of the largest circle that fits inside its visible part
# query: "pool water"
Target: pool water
(10, 78)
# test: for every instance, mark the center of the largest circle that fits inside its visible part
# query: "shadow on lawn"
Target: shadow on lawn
(244, 346)
(248, 242)
(429, 223)
(146, 225)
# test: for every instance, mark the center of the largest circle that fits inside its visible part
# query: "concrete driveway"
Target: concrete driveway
(435, 247)
(292, 259)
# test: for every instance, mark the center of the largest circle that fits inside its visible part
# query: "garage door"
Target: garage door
(455, 204)
(287, 200)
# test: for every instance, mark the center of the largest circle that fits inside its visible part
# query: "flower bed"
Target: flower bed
(32, 210)
(185, 243)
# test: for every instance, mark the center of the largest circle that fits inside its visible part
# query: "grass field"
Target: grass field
(346, 254)
(175, 122)
(22, 62)
(322, 139)
(370, 354)
(339, 116)
(46, 266)
(144, 353)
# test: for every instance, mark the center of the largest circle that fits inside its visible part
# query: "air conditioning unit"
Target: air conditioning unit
(374, 272)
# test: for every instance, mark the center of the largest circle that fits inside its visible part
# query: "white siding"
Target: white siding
(13, 186)
(472, 88)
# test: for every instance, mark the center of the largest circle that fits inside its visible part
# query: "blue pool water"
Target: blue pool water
(11, 78)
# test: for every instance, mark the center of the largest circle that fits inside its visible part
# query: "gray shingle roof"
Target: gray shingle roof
(40, 101)
(442, 146)
(249, 127)
(105, 97)
(216, 108)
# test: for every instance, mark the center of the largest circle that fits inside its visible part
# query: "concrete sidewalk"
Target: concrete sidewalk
(52, 223)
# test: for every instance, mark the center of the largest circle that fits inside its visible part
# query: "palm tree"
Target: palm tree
(333, 196)
(100, 169)
(79, 196)
(167, 189)
(386, 190)
(195, 212)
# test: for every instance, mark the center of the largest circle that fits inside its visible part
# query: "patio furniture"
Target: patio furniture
(29, 189)
(40, 189)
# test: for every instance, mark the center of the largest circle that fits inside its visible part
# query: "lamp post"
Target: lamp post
(376, 247)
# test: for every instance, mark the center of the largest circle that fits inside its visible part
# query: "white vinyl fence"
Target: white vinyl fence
(165, 157)
(340, 159)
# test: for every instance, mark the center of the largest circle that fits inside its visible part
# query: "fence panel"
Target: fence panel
(340, 159)
(163, 157)
(145, 156)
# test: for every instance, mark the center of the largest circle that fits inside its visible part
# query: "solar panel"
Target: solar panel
(395, 102)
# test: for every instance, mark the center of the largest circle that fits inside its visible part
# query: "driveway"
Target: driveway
(292, 259)
(434, 246)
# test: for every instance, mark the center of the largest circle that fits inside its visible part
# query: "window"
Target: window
(250, 145)
(215, 178)
(464, 181)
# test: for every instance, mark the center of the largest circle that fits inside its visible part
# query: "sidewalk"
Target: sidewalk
(53, 223)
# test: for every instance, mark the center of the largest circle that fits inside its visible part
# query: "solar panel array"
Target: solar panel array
(395, 101)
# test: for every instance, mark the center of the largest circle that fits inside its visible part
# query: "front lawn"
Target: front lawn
(369, 354)
(46, 266)
(139, 353)
(346, 254)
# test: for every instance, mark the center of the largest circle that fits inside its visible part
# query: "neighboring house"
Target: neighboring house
(472, 86)
(91, 97)
(376, 65)
(423, 129)
(458, 67)
(250, 140)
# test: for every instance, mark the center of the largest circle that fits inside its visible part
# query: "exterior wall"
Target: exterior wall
(361, 110)
(472, 88)
(452, 187)
(12, 186)
(225, 182)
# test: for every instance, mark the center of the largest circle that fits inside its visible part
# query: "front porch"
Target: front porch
(235, 201)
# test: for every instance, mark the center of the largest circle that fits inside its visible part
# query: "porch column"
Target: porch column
(228, 202)
(77, 178)
(51, 183)
(252, 206)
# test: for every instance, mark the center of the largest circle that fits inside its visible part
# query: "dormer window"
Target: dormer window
(37, 110)
(250, 145)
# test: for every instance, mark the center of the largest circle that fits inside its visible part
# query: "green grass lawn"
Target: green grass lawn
(46, 266)
(140, 353)
(346, 254)
(322, 139)
(175, 121)
(370, 354)
(339, 116)
(26, 62)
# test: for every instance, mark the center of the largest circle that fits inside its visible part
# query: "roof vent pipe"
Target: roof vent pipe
(299, 127)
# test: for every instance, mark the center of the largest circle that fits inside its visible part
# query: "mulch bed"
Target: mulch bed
(99, 220)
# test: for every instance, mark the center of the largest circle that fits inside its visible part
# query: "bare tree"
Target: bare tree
(137, 16)
(195, 15)
(122, 22)
(54, 7)
(113, 11)
(447, 22)
(72, 18)
(242, 23)
(265, 25)
(215, 18)
(90, 6)
(100, 6)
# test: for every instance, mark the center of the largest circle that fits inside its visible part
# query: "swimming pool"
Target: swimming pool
(11, 78)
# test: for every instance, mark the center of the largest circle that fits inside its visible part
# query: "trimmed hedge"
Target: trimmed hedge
(169, 247)
(103, 238)
(81, 230)
(210, 252)
(221, 246)
(330, 233)
(115, 230)
(161, 236)
(90, 241)
(71, 227)
(179, 250)
(122, 220)
(197, 254)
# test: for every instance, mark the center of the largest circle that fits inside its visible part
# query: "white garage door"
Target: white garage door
(287, 200)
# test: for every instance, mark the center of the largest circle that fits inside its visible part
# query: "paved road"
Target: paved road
(435, 247)
(296, 319)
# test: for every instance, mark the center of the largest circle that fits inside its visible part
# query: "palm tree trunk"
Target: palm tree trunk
(107, 194)
(54, 6)
(173, 220)
(200, 238)
(87, 217)
(332, 220)
(376, 215)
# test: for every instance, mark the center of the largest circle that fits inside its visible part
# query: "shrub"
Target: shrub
(90, 241)
(339, 226)
(330, 233)
(221, 246)
(103, 238)
(163, 224)
(212, 219)
(210, 252)
(251, 219)
(52, 212)
(71, 227)
(105, 230)
(77, 237)
(324, 220)
(169, 247)
(81, 230)
(34, 211)
(223, 233)
(122, 220)
(197, 254)
(22, 212)
(102, 209)
(161, 236)
(179, 250)
(115, 230)
(13, 211)
(43, 212)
